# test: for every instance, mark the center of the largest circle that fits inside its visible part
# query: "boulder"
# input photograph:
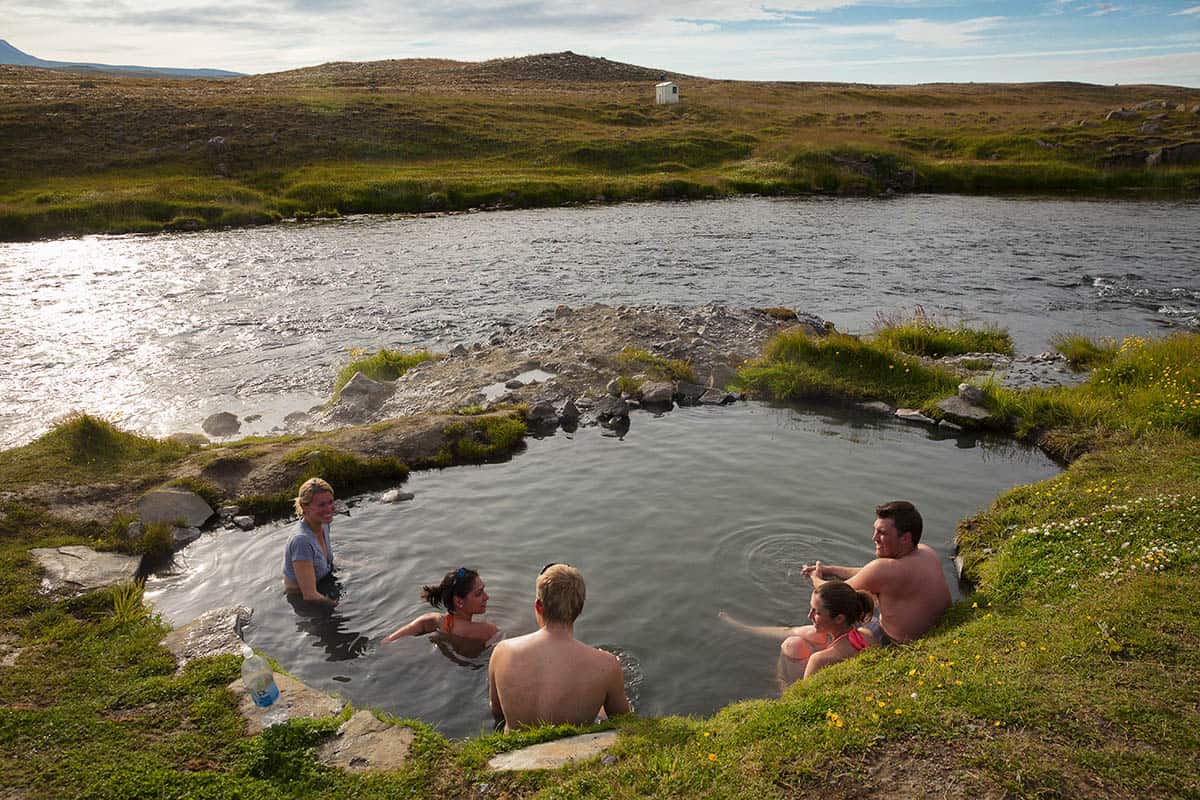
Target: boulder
(244, 521)
(216, 632)
(552, 755)
(963, 412)
(221, 424)
(658, 393)
(912, 415)
(689, 394)
(366, 743)
(541, 412)
(174, 505)
(365, 392)
(182, 537)
(613, 388)
(608, 407)
(458, 350)
(395, 496)
(75, 568)
(721, 375)
(1186, 153)
(296, 700)
(561, 311)
(568, 412)
(1121, 114)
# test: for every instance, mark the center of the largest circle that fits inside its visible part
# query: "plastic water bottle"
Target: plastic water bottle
(259, 680)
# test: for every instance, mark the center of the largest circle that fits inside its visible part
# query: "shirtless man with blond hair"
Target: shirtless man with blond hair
(906, 576)
(549, 676)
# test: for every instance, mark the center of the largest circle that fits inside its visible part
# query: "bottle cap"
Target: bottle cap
(246, 651)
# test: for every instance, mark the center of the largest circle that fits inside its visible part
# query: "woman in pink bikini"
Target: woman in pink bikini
(463, 596)
(835, 634)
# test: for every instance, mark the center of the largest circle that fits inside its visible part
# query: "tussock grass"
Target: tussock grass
(635, 359)
(384, 365)
(921, 336)
(796, 366)
(84, 448)
(1083, 352)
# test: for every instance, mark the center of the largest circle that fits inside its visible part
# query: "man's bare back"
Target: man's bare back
(911, 589)
(548, 676)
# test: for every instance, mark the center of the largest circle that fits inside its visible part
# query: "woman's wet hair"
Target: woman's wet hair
(457, 583)
(308, 490)
(842, 598)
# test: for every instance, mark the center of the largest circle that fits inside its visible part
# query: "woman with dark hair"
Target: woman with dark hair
(462, 594)
(836, 609)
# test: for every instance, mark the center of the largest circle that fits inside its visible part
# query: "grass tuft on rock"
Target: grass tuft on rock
(384, 365)
(635, 359)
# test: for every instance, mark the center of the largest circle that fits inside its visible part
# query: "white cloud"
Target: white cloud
(1186, 11)
(944, 34)
(1103, 10)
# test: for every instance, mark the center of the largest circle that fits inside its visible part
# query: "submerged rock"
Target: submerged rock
(912, 415)
(221, 424)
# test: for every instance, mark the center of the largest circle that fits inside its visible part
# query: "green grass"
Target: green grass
(1083, 352)
(84, 448)
(315, 146)
(921, 336)
(384, 365)
(350, 473)
(795, 366)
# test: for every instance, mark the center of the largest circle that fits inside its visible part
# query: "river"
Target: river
(158, 332)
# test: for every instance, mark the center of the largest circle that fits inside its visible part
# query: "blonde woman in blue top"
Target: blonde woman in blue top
(309, 555)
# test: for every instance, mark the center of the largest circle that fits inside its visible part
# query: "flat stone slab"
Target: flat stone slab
(296, 700)
(174, 505)
(75, 568)
(217, 632)
(552, 755)
(366, 743)
(962, 411)
(912, 415)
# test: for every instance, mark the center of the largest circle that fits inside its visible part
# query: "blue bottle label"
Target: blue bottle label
(267, 696)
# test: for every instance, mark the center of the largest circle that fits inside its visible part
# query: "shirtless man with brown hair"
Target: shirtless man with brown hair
(906, 576)
(549, 676)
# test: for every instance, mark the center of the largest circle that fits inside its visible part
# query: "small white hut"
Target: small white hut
(666, 92)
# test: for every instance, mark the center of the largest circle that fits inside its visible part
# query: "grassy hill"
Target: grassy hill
(112, 153)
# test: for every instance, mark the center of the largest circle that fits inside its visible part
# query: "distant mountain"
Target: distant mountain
(11, 55)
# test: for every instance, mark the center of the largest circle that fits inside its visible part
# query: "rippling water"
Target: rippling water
(692, 512)
(160, 331)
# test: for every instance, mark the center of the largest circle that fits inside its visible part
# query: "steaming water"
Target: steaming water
(160, 331)
(691, 512)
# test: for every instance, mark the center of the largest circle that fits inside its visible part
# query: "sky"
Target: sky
(863, 41)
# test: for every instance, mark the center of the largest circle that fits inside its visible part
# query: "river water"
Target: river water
(692, 512)
(158, 332)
